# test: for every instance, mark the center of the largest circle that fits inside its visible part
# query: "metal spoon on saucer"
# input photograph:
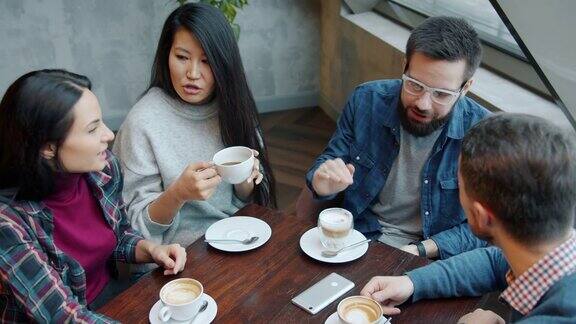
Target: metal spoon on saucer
(245, 241)
(202, 308)
(331, 254)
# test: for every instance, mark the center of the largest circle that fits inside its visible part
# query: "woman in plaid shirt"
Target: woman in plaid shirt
(62, 222)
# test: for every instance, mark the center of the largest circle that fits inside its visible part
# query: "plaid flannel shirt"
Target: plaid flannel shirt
(41, 283)
(524, 292)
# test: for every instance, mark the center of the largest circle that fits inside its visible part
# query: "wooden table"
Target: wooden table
(257, 286)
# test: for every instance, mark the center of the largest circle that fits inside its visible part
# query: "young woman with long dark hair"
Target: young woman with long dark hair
(198, 103)
(62, 222)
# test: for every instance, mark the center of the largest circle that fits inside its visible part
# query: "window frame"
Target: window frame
(502, 61)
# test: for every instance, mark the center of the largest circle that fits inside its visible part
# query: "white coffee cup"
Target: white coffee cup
(181, 299)
(359, 310)
(334, 226)
(234, 164)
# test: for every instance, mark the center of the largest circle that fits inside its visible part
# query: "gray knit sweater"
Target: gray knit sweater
(158, 139)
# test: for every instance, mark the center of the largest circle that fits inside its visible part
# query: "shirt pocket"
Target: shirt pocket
(449, 200)
(363, 164)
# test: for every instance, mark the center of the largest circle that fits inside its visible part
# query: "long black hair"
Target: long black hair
(35, 110)
(238, 117)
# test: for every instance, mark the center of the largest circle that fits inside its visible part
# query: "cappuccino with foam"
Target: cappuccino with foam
(359, 310)
(181, 299)
(334, 225)
(181, 293)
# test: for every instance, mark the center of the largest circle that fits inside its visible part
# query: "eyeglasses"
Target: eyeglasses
(439, 96)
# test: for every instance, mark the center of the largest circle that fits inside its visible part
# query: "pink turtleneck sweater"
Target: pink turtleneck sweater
(81, 231)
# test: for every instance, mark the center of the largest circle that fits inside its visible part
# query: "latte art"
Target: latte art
(360, 314)
(181, 293)
(359, 310)
(181, 299)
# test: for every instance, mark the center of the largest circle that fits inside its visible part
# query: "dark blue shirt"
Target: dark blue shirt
(368, 136)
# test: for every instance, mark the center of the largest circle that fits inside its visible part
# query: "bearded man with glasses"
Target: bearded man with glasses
(394, 155)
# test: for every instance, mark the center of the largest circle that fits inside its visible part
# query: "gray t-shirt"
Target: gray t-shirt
(398, 205)
(156, 142)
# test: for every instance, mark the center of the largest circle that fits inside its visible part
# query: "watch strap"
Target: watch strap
(421, 249)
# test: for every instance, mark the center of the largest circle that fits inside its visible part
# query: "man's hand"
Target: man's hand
(333, 176)
(389, 291)
(480, 316)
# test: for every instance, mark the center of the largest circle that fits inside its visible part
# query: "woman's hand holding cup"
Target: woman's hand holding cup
(197, 182)
(244, 189)
(256, 176)
(239, 166)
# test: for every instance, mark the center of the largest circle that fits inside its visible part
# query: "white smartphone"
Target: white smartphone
(323, 293)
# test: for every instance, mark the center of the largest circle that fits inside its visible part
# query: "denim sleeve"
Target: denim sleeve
(456, 240)
(339, 144)
(469, 274)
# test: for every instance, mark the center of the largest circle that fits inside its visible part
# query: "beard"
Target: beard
(419, 129)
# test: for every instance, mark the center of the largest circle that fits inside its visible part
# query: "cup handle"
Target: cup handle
(165, 314)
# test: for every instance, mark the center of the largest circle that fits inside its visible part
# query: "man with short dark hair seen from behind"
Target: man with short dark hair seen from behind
(518, 187)
(394, 155)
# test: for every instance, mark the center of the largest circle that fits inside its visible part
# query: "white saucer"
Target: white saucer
(206, 316)
(311, 245)
(238, 228)
(333, 319)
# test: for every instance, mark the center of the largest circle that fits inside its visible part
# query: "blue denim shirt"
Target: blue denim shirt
(481, 271)
(368, 136)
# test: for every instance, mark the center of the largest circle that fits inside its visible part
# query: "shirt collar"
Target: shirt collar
(29, 207)
(389, 115)
(101, 178)
(524, 292)
(456, 123)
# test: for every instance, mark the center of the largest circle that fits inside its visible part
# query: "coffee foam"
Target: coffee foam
(180, 293)
(359, 314)
(336, 219)
(359, 310)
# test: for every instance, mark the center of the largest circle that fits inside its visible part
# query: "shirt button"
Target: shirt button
(426, 181)
(426, 213)
(358, 158)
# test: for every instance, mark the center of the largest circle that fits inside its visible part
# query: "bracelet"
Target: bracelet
(421, 249)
